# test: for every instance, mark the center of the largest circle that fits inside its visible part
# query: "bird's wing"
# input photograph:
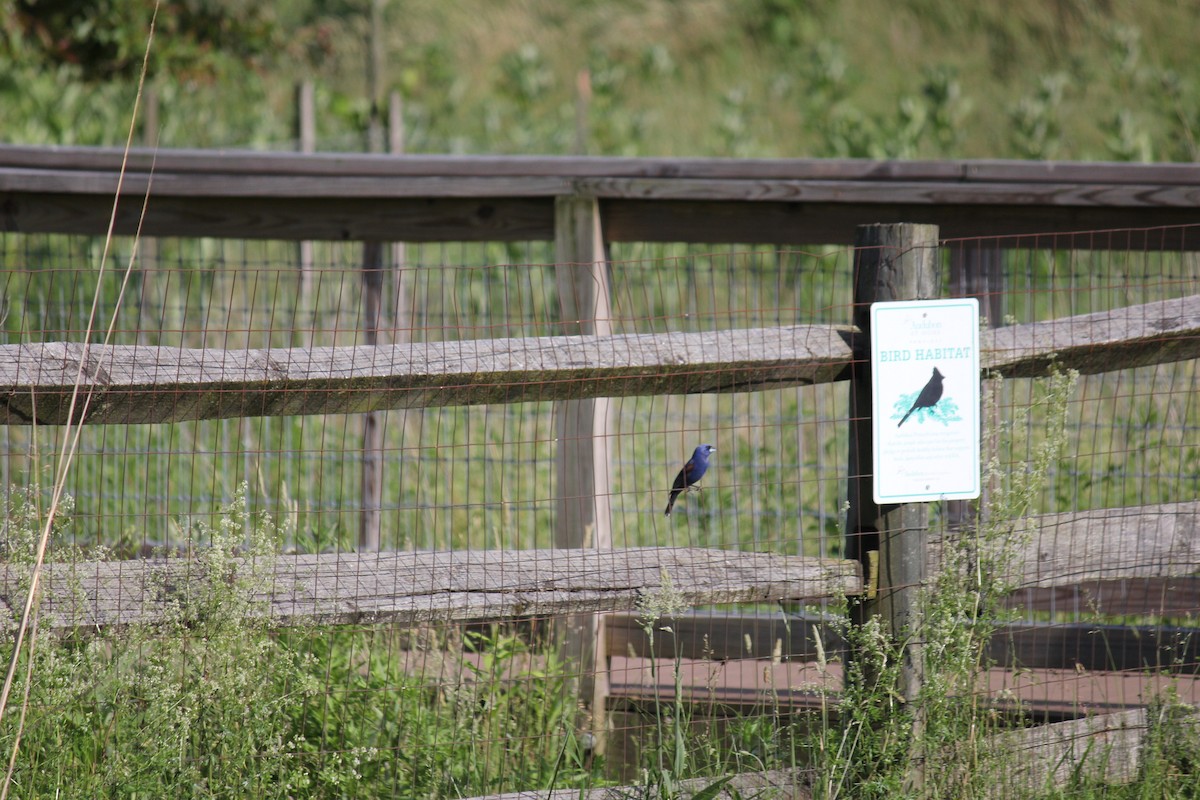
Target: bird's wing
(681, 478)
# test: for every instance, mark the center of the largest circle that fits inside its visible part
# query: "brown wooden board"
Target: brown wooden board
(747, 686)
(1105, 561)
(474, 198)
(727, 636)
(297, 218)
(37, 380)
(413, 588)
(255, 162)
(1168, 596)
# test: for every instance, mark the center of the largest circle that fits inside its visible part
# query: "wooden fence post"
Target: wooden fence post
(583, 102)
(977, 271)
(582, 517)
(373, 266)
(891, 262)
(372, 449)
(148, 245)
(400, 321)
(404, 297)
(376, 66)
(306, 134)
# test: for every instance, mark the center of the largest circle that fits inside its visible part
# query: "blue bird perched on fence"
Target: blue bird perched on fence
(692, 471)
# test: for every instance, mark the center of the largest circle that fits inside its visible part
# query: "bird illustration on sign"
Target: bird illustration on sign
(928, 403)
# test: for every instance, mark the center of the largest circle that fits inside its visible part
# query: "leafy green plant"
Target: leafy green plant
(937, 743)
(668, 763)
(197, 704)
(435, 717)
(1035, 119)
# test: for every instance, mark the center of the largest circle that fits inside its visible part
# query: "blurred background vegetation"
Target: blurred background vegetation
(1066, 79)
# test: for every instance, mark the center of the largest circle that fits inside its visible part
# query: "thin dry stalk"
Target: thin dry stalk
(73, 425)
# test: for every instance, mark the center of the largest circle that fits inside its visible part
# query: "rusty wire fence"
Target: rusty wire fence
(415, 704)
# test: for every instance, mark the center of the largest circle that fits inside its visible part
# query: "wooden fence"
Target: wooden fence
(583, 204)
(243, 195)
(190, 384)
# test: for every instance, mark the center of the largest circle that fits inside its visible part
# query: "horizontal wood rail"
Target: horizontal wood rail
(210, 384)
(1108, 559)
(258, 163)
(491, 198)
(730, 636)
(1171, 596)
(414, 588)
(493, 585)
(141, 384)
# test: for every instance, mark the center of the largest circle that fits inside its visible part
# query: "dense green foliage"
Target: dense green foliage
(106, 40)
(917, 78)
(211, 703)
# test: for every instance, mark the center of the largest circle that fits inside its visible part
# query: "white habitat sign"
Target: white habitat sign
(925, 400)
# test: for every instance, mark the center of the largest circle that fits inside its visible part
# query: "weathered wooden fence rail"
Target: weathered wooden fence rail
(1150, 546)
(189, 384)
(244, 195)
(425, 587)
(1083, 646)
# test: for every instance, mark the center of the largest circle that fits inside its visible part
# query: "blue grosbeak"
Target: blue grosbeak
(929, 396)
(692, 471)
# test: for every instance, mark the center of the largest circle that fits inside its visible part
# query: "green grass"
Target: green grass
(213, 703)
(921, 78)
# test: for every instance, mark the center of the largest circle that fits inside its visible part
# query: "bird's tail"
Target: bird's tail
(670, 503)
(906, 416)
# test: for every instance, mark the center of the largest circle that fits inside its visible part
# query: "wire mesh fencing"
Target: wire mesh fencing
(276, 654)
